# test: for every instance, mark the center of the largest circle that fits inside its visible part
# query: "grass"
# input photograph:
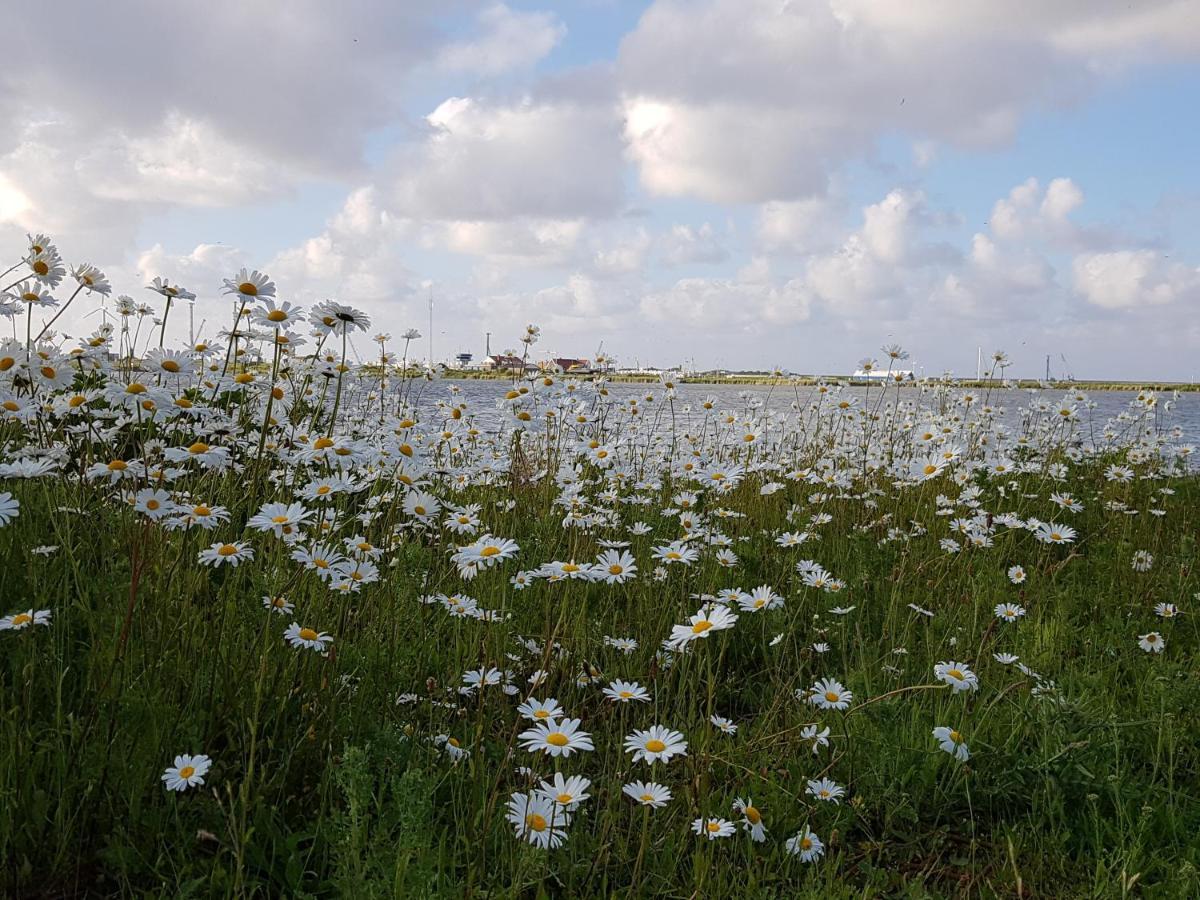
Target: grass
(331, 775)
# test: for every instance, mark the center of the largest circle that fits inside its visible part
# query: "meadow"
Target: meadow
(278, 622)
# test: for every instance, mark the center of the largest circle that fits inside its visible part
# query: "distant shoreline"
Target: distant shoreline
(810, 380)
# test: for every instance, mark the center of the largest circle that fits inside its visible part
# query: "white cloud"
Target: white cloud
(737, 101)
(690, 245)
(536, 158)
(1130, 279)
(510, 39)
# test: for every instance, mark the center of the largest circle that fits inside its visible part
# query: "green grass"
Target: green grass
(322, 785)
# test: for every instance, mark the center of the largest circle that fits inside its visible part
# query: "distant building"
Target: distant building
(503, 363)
(464, 360)
(883, 375)
(568, 365)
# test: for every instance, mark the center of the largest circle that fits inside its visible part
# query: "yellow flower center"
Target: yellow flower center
(277, 315)
(805, 843)
(136, 388)
(308, 634)
(227, 550)
(702, 626)
(169, 365)
(536, 822)
(279, 520)
(249, 288)
(11, 405)
(956, 737)
(956, 674)
(187, 772)
(22, 619)
(713, 827)
(753, 815)
(40, 266)
(557, 738)
(489, 551)
(152, 504)
(654, 745)
(197, 448)
(419, 510)
(646, 798)
(832, 697)
(118, 465)
(615, 569)
(201, 511)
(564, 798)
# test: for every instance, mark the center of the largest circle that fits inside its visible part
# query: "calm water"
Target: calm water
(1184, 412)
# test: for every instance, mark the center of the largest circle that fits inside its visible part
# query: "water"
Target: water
(1184, 412)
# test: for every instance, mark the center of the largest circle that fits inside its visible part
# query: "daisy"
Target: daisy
(1009, 612)
(281, 519)
(280, 605)
(250, 285)
(487, 551)
(538, 820)
(817, 736)
(1016, 575)
(556, 738)
(648, 793)
(826, 789)
(615, 567)
(752, 820)
(10, 508)
(188, 771)
(957, 675)
(806, 845)
(481, 677)
(703, 623)
(452, 746)
(566, 792)
(18, 621)
(760, 598)
(713, 828)
(1166, 610)
(421, 506)
(724, 725)
(219, 554)
(546, 710)
(828, 694)
(675, 552)
(952, 742)
(155, 504)
(298, 637)
(1152, 642)
(626, 691)
(1053, 533)
(655, 743)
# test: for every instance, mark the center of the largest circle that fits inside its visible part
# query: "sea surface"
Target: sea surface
(1182, 411)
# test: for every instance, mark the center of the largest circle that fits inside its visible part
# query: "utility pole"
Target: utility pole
(431, 326)
(488, 342)
(979, 364)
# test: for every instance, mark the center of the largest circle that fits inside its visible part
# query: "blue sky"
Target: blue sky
(745, 183)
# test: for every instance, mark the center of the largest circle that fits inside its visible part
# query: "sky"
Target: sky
(744, 184)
